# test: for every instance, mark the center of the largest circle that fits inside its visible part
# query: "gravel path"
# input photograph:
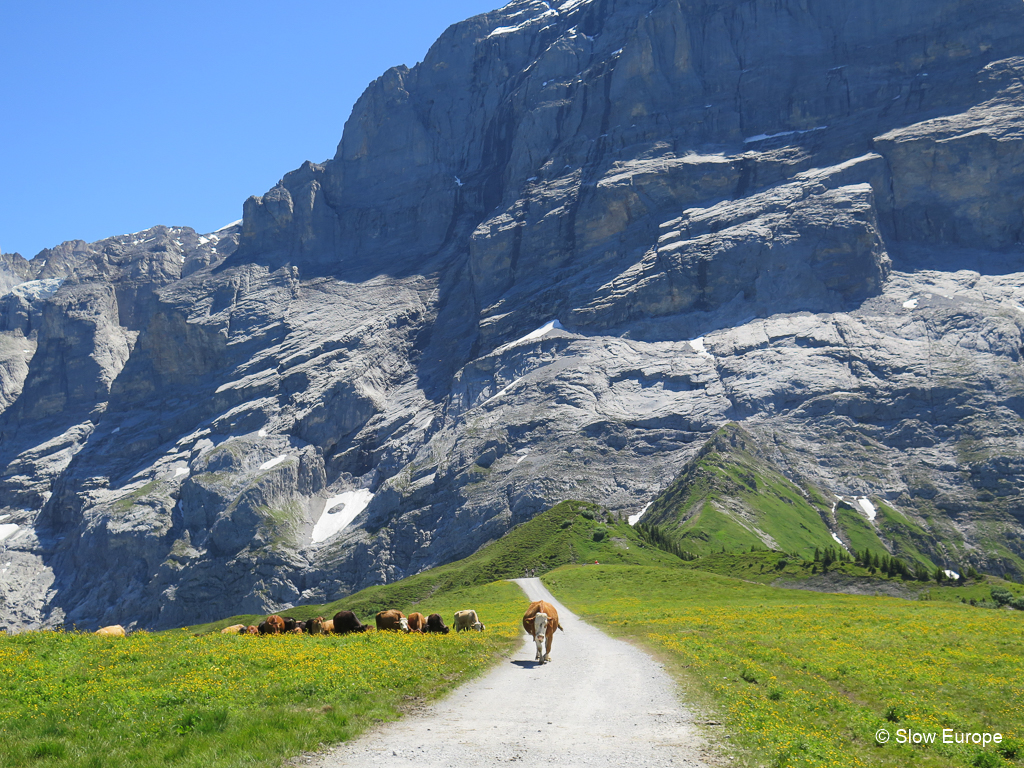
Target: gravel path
(599, 702)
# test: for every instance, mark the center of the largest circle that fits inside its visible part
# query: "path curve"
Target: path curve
(598, 702)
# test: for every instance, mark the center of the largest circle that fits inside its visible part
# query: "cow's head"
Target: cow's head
(404, 624)
(478, 627)
(540, 625)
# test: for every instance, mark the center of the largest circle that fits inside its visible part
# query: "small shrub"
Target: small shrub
(749, 675)
(1010, 749)
(775, 694)
(1001, 596)
(600, 533)
(587, 514)
(986, 760)
(567, 524)
(895, 712)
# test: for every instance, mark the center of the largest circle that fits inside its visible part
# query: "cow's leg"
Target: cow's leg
(550, 637)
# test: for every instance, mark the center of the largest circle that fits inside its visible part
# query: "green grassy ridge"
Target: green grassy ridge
(805, 678)
(727, 498)
(763, 567)
(561, 535)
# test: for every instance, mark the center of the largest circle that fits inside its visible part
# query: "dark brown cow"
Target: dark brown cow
(417, 622)
(272, 625)
(540, 621)
(315, 626)
(290, 623)
(392, 620)
(436, 624)
(251, 630)
(345, 622)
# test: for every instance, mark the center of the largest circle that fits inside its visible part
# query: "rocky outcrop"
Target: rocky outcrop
(547, 262)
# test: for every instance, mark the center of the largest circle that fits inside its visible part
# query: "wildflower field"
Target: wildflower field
(807, 679)
(172, 698)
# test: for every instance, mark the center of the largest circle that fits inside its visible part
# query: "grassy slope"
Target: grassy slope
(806, 679)
(728, 495)
(176, 699)
(564, 534)
(730, 498)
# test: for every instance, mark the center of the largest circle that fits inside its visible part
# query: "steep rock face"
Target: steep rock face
(546, 262)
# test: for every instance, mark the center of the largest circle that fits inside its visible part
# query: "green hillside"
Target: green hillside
(570, 532)
(730, 499)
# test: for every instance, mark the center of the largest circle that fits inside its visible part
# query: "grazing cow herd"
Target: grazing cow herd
(343, 623)
(540, 622)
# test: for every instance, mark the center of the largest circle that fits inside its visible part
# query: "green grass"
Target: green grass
(176, 699)
(563, 534)
(806, 679)
(859, 531)
(907, 537)
(729, 498)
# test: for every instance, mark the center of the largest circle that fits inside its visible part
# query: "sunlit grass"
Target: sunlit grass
(172, 698)
(806, 679)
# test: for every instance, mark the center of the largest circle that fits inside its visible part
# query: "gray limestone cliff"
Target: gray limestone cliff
(544, 263)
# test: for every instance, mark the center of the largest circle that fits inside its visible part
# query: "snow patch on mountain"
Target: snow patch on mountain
(331, 523)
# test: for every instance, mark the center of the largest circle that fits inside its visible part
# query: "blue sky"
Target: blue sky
(116, 116)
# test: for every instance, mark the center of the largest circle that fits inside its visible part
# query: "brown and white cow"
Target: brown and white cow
(114, 630)
(467, 620)
(417, 622)
(392, 619)
(541, 629)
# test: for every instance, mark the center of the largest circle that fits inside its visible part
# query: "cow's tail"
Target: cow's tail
(560, 626)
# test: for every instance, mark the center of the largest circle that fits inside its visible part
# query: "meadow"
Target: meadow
(178, 699)
(807, 679)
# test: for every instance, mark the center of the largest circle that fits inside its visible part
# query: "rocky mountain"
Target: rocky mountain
(547, 262)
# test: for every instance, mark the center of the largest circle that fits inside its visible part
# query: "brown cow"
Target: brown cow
(417, 622)
(541, 629)
(273, 625)
(114, 630)
(392, 620)
(251, 630)
(234, 629)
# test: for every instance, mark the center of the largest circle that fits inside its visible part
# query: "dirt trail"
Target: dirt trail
(599, 702)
